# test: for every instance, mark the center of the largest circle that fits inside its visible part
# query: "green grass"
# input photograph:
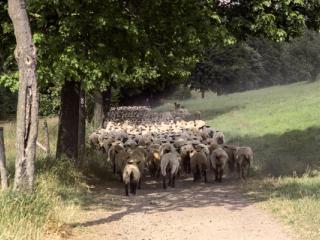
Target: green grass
(282, 125)
(60, 190)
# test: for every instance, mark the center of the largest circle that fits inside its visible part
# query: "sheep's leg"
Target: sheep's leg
(120, 175)
(126, 188)
(221, 174)
(173, 180)
(134, 188)
(164, 182)
(158, 173)
(205, 176)
(114, 168)
(243, 172)
(170, 180)
(139, 184)
(216, 174)
(131, 187)
(188, 167)
(194, 176)
(239, 170)
(248, 171)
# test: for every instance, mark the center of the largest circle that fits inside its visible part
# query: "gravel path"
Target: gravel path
(190, 211)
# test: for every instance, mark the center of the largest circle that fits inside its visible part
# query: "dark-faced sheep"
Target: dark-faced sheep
(114, 149)
(121, 159)
(153, 160)
(199, 163)
(185, 157)
(218, 159)
(139, 155)
(131, 177)
(170, 164)
(244, 160)
(231, 151)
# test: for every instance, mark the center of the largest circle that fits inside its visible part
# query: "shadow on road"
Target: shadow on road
(152, 198)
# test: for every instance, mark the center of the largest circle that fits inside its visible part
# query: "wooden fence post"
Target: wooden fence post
(46, 137)
(3, 170)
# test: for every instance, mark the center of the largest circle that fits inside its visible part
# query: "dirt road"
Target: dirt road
(190, 211)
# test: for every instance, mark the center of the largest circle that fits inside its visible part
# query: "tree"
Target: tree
(134, 44)
(27, 113)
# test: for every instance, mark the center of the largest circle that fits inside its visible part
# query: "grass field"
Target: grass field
(282, 125)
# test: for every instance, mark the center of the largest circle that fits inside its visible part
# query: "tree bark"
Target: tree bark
(101, 107)
(67, 144)
(27, 109)
(98, 109)
(3, 169)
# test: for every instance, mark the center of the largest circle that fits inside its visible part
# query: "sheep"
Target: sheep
(166, 148)
(94, 140)
(131, 176)
(121, 159)
(139, 155)
(115, 148)
(185, 157)
(244, 160)
(219, 136)
(170, 163)
(218, 159)
(199, 163)
(231, 151)
(153, 160)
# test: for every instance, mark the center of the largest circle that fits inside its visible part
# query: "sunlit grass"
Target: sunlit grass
(282, 125)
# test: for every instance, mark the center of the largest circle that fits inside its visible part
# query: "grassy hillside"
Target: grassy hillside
(282, 125)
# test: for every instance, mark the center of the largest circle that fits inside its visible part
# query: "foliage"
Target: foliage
(149, 45)
(258, 63)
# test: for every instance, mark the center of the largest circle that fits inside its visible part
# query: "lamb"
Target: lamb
(170, 163)
(218, 159)
(131, 176)
(244, 160)
(199, 163)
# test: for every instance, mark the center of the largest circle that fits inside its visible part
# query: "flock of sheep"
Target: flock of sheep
(137, 140)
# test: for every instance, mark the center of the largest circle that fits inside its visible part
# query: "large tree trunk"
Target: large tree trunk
(98, 109)
(3, 169)
(27, 109)
(102, 104)
(67, 144)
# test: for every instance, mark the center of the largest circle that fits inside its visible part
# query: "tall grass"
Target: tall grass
(60, 190)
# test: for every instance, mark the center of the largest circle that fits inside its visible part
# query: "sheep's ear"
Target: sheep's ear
(138, 162)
